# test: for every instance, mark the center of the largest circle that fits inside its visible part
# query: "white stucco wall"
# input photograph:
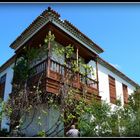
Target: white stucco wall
(104, 84)
(8, 89)
(48, 120)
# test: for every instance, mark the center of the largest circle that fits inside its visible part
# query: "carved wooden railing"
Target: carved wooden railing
(58, 71)
(37, 69)
(61, 69)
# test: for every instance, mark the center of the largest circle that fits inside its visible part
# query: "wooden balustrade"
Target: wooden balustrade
(88, 81)
(58, 71)
(39, 68)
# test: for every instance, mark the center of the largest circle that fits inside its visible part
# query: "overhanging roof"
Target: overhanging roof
(7, 63)
(50, 15)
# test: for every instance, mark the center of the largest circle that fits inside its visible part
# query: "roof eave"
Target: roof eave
(9, 62)
(41, 21)
(116, 71)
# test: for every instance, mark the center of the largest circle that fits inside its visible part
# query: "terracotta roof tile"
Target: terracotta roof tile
(70, 24)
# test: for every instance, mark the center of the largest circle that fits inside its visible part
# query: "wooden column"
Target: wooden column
(77, 59)
(77, 55)
(96, 60)
(48, 59)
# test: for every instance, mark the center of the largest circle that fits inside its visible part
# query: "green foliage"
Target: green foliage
(21, 70)
(100, 119)
(22, 67)
(131, 115)
(4, 133)
(41, 133)
(69, 50)
(96, 118)
(5, 109)
(59, 51)
(50, 37)
(31, 53)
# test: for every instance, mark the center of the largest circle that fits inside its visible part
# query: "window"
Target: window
(2, 86)
(125, 93)
(2, 89)
(112, 89)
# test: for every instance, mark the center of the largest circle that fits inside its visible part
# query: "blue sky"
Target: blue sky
(115, 27)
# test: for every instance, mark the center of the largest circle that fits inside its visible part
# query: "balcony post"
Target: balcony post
(48, 60)
(96, 60)
(77, 55)
(77, 59)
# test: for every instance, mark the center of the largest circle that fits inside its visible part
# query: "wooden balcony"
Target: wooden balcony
(53, 75)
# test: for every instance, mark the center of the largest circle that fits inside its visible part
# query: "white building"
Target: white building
(111, 84)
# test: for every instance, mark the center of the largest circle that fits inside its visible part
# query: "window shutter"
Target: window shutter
(125, 93)
(2, 86)
(112, 89)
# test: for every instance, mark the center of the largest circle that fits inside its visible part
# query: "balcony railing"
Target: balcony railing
(56, 68)
(88, 81)
(37, 69)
